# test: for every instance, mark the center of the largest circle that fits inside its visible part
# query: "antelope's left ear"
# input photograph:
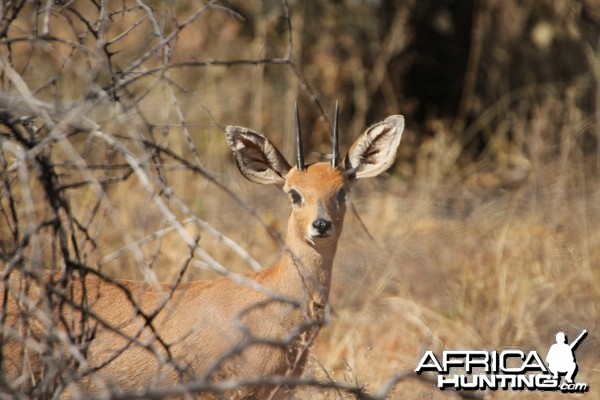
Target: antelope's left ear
(374, 151)
(256, 157)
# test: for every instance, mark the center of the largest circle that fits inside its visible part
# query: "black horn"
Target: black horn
(299, 153)
(335, 151)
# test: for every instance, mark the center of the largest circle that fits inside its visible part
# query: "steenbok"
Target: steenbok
(240, 337)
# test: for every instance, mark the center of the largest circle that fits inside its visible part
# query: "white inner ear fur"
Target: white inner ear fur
(374, 151)
(256, 157)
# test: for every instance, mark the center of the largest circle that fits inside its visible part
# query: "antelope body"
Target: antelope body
(214, 329)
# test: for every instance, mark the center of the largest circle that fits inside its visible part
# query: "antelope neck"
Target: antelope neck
(308, 268)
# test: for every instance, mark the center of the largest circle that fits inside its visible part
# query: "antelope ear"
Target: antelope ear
(375, 150)
(256, 157)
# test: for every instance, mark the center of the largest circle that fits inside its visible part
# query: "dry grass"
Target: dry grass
(462, 250)
(509, 275)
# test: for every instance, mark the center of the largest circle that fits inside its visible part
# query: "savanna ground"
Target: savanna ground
(484, 235)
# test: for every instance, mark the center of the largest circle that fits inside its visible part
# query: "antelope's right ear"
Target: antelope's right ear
(256, 157)
(375, 150)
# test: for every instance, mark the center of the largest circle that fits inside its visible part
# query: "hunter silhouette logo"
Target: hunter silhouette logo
(509, 369)
(561, 358)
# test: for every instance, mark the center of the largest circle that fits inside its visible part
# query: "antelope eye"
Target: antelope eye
(341, 196)
(296, 198)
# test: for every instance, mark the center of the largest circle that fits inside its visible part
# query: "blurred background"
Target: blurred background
(485, 234)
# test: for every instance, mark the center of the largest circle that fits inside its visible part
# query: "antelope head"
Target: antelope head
(317, 191)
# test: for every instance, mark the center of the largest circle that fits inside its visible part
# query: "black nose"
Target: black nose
(321, 225)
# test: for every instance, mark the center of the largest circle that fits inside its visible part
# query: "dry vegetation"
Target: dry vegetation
(484, 235)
